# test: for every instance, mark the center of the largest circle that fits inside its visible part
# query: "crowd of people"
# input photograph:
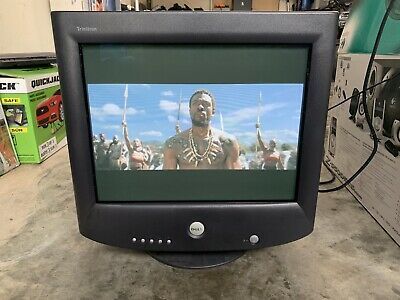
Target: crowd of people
(116, 155)
(199, 147)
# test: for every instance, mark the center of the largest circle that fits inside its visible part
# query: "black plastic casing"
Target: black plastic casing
(228, 225)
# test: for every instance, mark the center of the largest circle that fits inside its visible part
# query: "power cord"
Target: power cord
(364, 102)
(333, 178)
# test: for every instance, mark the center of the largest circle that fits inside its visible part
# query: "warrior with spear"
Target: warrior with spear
(271, 157)
(138, 156)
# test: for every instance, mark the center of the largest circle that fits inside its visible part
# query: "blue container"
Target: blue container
(365, 18)
(306, 4)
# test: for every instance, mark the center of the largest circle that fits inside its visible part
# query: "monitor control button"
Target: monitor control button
(254, 239)
(196, 229)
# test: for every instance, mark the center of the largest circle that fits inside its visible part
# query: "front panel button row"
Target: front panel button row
(151, 241)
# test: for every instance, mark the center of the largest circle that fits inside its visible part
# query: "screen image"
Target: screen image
(225, 126)
(195, 122)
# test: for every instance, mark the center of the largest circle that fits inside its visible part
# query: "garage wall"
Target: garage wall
(25, 26)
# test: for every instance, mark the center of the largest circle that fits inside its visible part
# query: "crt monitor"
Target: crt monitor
(195, 132)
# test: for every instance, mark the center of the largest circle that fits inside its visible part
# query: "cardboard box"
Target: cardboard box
(265, 5)
(349, 143)
(33, 107)
(8, 157)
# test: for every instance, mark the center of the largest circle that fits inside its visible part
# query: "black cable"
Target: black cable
(330, 171)
(364, 102)
(355, 95)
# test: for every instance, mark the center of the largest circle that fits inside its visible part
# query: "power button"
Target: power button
(254, 239)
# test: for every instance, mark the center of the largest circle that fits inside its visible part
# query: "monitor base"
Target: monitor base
(196, 260)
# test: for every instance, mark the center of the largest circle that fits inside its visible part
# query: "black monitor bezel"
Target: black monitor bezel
(228, 224)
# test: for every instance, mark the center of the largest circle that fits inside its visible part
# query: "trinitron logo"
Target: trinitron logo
(79, 28)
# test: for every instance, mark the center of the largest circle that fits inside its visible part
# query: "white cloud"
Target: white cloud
(111, 109)
(185, 109)
(168, 94)
(247, 138)
(281, 136)
(172, 119)
(168, 106)
(171, 107)
(248, 134)
(284, 135)
(251, 113)
(112, 127)
(151, 133)
(182, 121)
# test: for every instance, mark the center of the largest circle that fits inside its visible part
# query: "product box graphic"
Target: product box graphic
(349, 143)
(8, 157)
(33, 108)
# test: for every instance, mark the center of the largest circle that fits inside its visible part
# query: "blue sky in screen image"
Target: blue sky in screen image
(152, 110)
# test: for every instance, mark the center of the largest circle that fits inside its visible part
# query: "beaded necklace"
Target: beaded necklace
(193, 155)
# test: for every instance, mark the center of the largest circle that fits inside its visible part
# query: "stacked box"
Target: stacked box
(8, 157)
(33, 107)
(349, 144)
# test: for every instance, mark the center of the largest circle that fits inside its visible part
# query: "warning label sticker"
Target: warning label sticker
(47, 148)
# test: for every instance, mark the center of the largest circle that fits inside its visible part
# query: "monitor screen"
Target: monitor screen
(221, 121)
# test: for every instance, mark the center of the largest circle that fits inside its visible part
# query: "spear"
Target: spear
(259, 108)
(221, 121)
(177, 128)
(258, 115)
(124, 112)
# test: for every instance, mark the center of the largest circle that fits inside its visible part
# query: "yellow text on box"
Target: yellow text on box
(18, 130)
(10, 100)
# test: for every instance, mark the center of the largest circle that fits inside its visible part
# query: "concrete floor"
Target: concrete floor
(42, 254)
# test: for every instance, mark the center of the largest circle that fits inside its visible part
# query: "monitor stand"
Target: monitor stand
(196, 260)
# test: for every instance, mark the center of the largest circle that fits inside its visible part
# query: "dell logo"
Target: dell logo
(7, 86)
(196, 229)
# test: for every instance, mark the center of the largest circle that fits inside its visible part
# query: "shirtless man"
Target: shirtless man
(101, 152)
(272, 158)
(114, 153)
(201, 146)
(137, 154)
